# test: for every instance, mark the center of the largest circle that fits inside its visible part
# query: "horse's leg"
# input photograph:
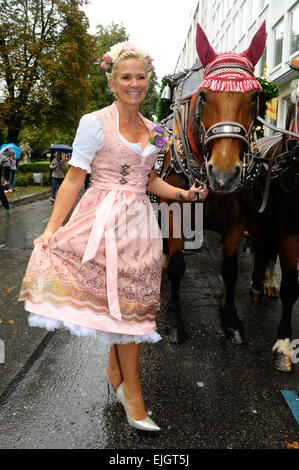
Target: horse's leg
(175, 271)
(165, 256)
(264, 272)
(230, 322)
(258, 273)
(289, 292)
(271, 288)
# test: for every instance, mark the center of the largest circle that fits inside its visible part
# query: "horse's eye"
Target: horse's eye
(203, 97)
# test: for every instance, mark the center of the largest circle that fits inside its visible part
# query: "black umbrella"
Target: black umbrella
(59, 148)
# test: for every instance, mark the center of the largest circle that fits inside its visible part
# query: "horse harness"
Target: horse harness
(183, 160)
(278, 165)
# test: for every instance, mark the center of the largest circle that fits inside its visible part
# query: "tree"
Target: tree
(100, 94)
(45, 56)
(148, 107)
(106, 36)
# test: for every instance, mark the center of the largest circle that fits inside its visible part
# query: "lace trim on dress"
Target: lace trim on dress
(101, 336)
(80, 164)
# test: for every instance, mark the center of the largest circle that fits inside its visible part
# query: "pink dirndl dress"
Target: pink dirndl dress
(101, 273)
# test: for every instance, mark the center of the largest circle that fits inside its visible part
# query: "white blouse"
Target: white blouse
(90, 138)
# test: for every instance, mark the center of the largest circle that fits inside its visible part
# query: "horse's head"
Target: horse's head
(225, 108)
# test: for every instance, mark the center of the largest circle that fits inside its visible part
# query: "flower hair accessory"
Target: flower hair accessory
(160, 137)
(115, 52)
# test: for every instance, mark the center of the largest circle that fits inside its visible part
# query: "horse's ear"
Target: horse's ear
(257, 45)
(204, 49)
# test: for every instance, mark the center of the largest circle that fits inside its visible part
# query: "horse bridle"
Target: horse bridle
(229, 129)
(185, 160)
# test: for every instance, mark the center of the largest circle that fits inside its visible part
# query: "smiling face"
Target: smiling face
(130, 83)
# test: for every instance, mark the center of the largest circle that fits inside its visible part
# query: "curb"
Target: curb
(32, 197)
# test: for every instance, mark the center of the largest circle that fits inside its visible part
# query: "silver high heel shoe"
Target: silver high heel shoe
(146, 424)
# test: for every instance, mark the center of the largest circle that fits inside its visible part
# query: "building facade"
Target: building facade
(231, 24)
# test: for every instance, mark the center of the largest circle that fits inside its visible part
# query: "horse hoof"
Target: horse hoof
(255, 295)
(235, 336)
(272, 292)
(175, 335)
(282, 362)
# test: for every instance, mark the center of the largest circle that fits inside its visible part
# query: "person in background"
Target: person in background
(52, 156)
(58, 168)
(4, 180)
(13, 170)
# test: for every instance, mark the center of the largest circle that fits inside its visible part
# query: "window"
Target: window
(243, 19)
(278, 42)
(263, 62)
(233, 32)
(227, 44)
(253, 10)
(237, 27)
(214, 26)
(218, 18)
(287, 109)
(221, 15)
(294, 30)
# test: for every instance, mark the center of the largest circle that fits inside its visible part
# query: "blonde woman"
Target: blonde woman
(99, 274)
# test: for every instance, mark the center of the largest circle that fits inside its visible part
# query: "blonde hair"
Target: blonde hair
(128, 55)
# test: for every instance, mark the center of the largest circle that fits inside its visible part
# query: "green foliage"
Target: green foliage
(163, 106)
(24, 175)
(22, 180)
(270, 91)
(45, 55)
(38, 167)
(26, 179)
(106, 36)
(100, 93)
(40, 138)
(149, 105)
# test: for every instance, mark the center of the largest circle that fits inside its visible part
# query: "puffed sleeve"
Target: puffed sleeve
(88, 140)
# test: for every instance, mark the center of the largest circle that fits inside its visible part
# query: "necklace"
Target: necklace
(130, 120)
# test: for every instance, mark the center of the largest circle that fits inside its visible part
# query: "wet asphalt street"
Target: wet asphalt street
(205, 394)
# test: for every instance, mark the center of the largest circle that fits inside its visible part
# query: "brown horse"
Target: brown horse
(228, 113)
(230, 212)
(279, 223)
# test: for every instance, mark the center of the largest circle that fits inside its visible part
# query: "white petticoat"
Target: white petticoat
(103, 336)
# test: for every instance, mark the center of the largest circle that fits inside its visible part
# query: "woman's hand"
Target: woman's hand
(44, 239)
(194, 191)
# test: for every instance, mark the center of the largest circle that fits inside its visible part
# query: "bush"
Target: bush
(39, 167)
(46, 179)
(24, 175)
(26, 179)
(22, 180)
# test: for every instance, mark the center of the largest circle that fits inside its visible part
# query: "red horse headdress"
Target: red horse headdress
(230, 71)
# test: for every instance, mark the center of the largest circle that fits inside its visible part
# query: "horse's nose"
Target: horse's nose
(221, 180)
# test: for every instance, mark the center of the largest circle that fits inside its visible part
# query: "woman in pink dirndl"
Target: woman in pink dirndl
(99, 274)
